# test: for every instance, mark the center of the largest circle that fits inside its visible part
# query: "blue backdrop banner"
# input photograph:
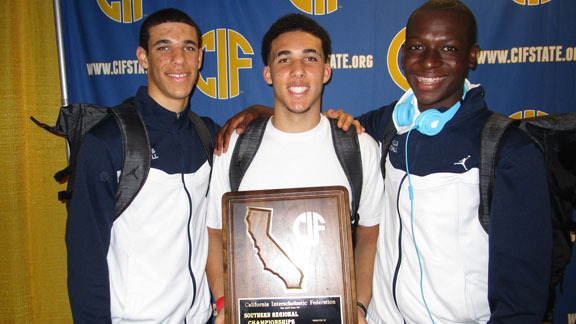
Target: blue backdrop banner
(527, 63)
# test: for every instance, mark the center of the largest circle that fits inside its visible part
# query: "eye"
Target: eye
(415, 47)
(450, 48)
(189, 48)
(311, 59)
(282, 60)
(162, 48)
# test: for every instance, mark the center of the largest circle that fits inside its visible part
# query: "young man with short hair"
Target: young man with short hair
(435, 263)
(296, 149)
(149, 264)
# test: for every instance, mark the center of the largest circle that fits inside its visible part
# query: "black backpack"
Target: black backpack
(75, 120)
(345, 143)
(556, 137)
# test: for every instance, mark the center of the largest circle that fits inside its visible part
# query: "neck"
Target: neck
(295, 122)
(174, 105)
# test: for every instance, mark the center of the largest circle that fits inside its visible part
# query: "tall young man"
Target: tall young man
(296, 149)
(435, 263)
(147, 266)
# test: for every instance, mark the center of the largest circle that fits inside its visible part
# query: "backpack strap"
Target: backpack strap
(345, 143)
(387, 137)
(490, 143)
(245, 150)
(137, 156)
(204, 135)
(348, 152)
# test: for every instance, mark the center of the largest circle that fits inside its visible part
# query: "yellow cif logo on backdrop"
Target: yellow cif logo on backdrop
(531, 2)
(226, 43)
(125, 11)
(316, 7)
(392, 58)
(528, 113)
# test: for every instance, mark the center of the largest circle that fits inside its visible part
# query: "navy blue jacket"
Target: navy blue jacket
(520, 240)
(160, 238)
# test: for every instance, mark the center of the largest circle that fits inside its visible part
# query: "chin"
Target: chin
(181, 94)
(299, 110)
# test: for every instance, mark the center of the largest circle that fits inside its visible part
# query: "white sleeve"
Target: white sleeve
(372, 199)
(219, 185)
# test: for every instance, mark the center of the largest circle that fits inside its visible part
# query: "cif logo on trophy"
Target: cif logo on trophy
(289, 256)
(316, 7)
(226, 44)
(125, 11)
(314, 224)
(531, 2)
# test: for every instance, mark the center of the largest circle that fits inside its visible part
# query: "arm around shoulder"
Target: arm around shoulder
(238, 123)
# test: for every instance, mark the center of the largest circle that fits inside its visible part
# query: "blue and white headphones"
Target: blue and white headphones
(430, 122)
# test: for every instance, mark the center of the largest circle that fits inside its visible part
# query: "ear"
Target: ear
(327, 72)
(267, 75)
(200, 58)
(142, 56)
(473, 56)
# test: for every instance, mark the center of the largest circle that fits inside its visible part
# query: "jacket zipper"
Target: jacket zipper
(189, 234)
(399, 261)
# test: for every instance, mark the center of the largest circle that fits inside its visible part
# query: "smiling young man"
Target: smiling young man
(296, 149)
(434, 262)
(148, 265)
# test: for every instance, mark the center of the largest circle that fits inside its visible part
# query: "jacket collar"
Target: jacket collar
(472, 102)
(158, 116)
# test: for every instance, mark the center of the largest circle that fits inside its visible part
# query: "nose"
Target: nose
(432, 59)
(297, 70)
(178, 56)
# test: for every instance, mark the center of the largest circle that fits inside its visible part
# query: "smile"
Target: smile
(430, 80)
(174, 75)
(298, 89)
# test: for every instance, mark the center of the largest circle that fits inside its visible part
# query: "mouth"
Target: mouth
(298, 89)
(430, 81)
(178, 75)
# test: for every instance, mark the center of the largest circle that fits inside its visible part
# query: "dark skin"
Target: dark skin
(436, 58)
(238, 123)
(437, 55)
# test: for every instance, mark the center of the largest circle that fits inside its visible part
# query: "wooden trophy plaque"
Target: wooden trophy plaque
(289, 256)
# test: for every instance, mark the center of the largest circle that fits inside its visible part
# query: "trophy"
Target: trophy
(289, 256)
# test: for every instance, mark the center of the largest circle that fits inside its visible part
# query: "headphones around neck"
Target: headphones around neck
(430, 122)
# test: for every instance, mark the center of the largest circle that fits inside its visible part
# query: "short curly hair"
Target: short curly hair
(295, 22)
